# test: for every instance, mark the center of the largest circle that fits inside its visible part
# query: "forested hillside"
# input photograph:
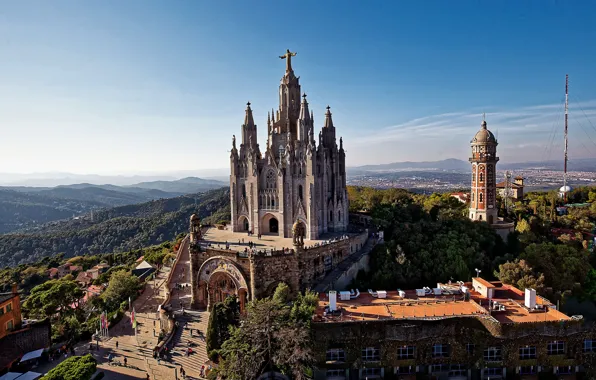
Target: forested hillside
(30, 207)
(115, 230)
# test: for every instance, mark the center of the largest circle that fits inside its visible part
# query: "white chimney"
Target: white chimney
(332, 300)
(530, 298)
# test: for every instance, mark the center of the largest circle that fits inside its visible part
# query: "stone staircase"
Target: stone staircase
(197, 321)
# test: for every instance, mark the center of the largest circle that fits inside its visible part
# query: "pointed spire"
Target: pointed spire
(272, 116)
(328, 120)
(304, 114)
(341, 143)
(248, 119)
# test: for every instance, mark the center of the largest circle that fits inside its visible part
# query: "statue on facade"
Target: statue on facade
(298, 233)
(195, 228)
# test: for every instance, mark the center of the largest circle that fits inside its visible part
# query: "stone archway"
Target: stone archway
(243, 224)
(218, 278)
(270, 224)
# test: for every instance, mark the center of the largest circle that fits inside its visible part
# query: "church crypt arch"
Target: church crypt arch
(243, 224)
(218, 278)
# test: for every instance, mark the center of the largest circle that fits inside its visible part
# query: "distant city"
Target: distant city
(425, 181)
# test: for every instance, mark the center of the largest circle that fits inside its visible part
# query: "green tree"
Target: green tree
(73, 368)
(520, 275)
(223, 316)
(563, 266)
(272, 336)
(122, 285)
(52, 298)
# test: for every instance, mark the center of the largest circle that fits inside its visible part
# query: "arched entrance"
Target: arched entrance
(269, 224)
(219, 278)
(273, 226)
(243, 223)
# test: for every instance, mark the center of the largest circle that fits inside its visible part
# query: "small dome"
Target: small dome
(484, 135)
(194, 217)
(565, 189)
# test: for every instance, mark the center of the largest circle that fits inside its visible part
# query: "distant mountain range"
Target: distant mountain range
(453, 164)
(24, 207)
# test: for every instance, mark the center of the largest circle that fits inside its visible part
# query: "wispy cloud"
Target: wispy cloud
(539, 120)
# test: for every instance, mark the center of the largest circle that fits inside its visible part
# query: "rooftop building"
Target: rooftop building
(474, 330)
(478, 299)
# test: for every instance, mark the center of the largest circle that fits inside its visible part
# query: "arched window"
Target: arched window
(339, 216)
(244, 190)
(481, 177)
(300, 194)
(330, 216)
(472, 197)
(270, 180)
(480, 198)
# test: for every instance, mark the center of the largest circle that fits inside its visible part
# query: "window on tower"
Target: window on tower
(300, 192)
(481, 177)
(480, 199)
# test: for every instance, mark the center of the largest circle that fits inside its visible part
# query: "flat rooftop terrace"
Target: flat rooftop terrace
(508, 308)
(238, 241)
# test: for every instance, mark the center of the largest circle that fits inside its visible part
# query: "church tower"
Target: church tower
(295, 182)
(484, 160)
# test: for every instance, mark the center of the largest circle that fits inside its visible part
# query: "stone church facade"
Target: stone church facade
(293, 178)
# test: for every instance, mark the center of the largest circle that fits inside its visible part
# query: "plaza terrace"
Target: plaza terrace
(238, 241)
(479, 299)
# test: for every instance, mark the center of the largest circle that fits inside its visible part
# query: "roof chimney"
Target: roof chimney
(15, 288)
(530, 298)
(332, 300)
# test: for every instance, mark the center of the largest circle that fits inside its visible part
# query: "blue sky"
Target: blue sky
(152, 86)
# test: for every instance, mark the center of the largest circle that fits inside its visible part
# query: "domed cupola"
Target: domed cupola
(484, 135)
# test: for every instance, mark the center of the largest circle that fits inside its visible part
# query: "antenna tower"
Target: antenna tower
(566, 116)
(508, 191)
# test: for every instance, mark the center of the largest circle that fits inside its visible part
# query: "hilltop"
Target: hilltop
(23, 207)
(115, 229)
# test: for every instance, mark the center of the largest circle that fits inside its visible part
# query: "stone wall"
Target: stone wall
(18, 343)
(458, 333)
(268, 271)
(300, 268)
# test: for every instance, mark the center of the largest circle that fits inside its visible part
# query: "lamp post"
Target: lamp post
(477, 272)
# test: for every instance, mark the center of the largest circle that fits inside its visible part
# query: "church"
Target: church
(294, 179)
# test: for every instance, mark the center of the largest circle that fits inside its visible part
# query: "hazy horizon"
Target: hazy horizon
(154, 87)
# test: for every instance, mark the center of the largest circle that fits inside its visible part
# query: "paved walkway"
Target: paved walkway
(136, 349)
(328, 282)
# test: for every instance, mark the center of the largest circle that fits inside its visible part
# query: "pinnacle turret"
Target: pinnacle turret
(328, 120)
(304, 113)
(249, 121)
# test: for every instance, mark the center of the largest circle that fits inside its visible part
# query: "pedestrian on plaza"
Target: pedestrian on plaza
(125, 361)
(202, 372)
(116, 344)
(148, 378)
(191, 333)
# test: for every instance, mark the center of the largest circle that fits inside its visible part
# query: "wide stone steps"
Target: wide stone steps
(195, 320)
